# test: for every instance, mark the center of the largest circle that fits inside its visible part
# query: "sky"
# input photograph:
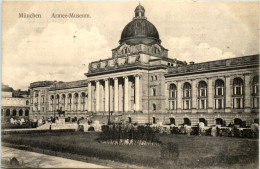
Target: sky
(47, 48)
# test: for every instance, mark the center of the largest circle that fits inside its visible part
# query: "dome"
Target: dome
(139, 7)
(140, 30)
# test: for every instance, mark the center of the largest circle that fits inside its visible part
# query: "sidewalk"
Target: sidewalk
(37, 160)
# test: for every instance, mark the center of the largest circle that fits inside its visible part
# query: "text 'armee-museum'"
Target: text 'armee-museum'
(141, 84)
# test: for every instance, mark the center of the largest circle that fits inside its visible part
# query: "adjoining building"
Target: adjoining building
(141, 84)
(14, 104)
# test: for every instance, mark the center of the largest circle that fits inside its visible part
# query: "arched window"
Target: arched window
(187, 90)
(63, 98)
(154, 107)
(220, 121)
(82, 102)
(57, 99)
(238, 121)
(172, 120)
(186, 121)
(26, 112)
(27, 102)
(172, 97)
(129, 119)
(20, 112)
(186, 96)
(154, 120)
(238, 86)
(7, 112)
(238, 99)
(202, 120)
(14, 112)
(69, 101)
(219, 94)
(219, 87)
(255, 92)
(52, 99)
(76, 96)
(202, 89)
(173, 91)
(76, 101)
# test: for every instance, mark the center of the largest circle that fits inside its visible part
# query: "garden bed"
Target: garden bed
(193, 151)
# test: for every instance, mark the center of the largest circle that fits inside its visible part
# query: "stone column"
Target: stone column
(228, 95)
(97, 96)
(79, 102)
(89, 96)
(137, 92)
(179, 97)
(39, 101)
(194, 96)
(116, 94)
(126, 94)
(120, 96)
(247, 92)
(106, 95)
(66, 102)
(72, 101)
(210, 95)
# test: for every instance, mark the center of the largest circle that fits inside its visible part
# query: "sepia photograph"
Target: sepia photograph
(130, 84)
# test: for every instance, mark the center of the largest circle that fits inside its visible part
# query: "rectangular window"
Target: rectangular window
(238, 101)
(256, 102)
(219, 103)
(173, 105)
(187, 104)
(238, 91)
(202, 104)
(219, 93)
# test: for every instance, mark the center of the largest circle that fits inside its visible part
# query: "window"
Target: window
(187, 105)
(173, 91)
(7, 112)
(202, 94)
(238, 100)
(202, 89)
(172, 121)
(153, 92)
(172, 105)
(237, 86)
(20, 112)
(187, 90)
(27, 102)
(219, 87)
(154, 120)
(202, 104)
(154, 107)
(14, 112)
(237, 103)
(26, 112)
(255, 92)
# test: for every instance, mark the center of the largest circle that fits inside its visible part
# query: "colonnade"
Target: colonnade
(111, 91)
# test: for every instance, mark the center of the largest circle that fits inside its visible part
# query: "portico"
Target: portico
(115, 93)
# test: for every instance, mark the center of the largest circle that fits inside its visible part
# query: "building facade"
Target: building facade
(14, 104)
(141, 84)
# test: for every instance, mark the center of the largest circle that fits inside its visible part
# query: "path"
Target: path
(37, 160)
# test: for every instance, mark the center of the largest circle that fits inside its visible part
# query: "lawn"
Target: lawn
(194, 151)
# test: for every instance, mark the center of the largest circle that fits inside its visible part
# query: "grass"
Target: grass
(195, 151)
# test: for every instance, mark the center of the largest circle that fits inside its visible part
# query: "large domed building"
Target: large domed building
(141, 84)
(140, 30)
